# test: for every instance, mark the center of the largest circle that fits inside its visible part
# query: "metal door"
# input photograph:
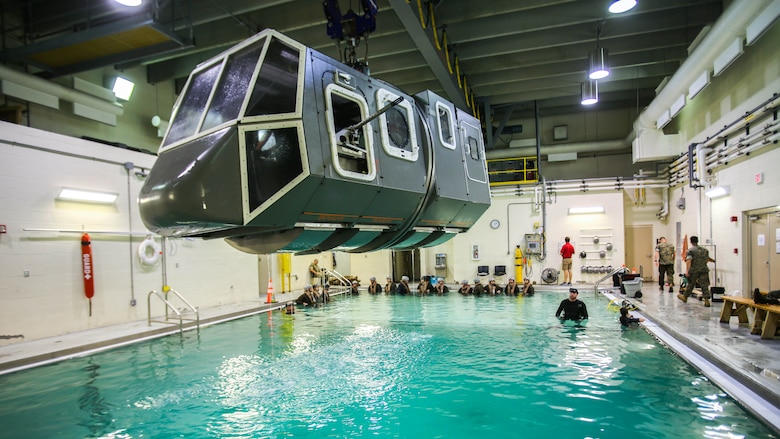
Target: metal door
(640, 246)
(764, 249)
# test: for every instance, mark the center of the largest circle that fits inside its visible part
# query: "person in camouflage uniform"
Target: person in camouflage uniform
(697, 271)
(664, 258)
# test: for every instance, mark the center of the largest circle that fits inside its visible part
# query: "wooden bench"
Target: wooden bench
(765, 317)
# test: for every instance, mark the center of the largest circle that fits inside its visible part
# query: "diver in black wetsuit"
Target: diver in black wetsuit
(572, 308)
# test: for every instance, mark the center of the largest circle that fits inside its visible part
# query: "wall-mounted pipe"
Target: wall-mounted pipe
(664, 212)
(532, 151)
(60, 91)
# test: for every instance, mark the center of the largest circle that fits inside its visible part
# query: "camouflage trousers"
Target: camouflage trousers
(668, 270)
(700, 278)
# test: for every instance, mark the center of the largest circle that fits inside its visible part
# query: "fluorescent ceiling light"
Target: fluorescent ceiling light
(123, 88)
(717, 191)
(594, 209)
(87, 196)
(619, 6)
(133, 2)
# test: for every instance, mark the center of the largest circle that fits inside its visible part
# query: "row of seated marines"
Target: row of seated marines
(569, 309)
(312, 295)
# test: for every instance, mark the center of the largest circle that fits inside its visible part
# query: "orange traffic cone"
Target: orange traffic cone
(269, 297)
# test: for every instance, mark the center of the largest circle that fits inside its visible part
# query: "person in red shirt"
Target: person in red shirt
(567, 251)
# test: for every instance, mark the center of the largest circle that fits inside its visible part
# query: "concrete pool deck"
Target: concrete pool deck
(744, 365)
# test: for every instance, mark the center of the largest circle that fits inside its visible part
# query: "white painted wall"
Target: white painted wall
(518, 215)
(50, 301)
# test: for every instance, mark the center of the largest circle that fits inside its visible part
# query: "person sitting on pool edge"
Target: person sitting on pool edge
(528, 287)
(572, 308)
(424, 287)
(627, 319)
(374, 287)
(440, 289)
(512, 289)
(324, 297)
(492, 289)
(403, 287)
(465, 289)
(478, 288)
(389, 286)
(307, 298)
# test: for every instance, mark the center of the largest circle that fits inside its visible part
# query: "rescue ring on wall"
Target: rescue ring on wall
(149, 251)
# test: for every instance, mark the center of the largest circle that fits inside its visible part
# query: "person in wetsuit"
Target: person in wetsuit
(572, 308)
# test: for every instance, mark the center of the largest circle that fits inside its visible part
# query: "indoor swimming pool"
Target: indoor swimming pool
(378, 366)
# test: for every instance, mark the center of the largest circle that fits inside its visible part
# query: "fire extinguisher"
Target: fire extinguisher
(87, 269)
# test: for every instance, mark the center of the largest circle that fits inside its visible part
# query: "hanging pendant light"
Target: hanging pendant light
(598, 67)
(590, 92)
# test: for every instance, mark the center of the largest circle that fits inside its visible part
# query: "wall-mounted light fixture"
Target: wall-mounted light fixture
(579, 210)
(620, 6)
(717, 191)
(87, 196)
(161, 125)
(590, 93)
(122, 88)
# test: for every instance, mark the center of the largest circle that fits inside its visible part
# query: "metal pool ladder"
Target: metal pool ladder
(614, 272)
(169, 307)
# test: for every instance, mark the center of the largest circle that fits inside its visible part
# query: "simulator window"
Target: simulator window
(446, 125)
(192, 105)
(232, 88)
(273, 159)
(351, 143)
(276, 87)
(398, 133)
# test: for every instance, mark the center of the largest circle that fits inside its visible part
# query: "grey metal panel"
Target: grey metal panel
(194, 188)
(450, 173)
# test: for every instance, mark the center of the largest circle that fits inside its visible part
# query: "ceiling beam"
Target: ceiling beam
(433, 57)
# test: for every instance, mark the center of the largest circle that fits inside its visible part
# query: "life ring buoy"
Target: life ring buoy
(149, 251)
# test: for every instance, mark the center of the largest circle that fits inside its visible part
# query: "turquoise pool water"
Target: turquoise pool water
(401, 367)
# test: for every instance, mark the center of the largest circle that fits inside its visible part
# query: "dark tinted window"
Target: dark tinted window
(398, 128)
(193, 104)
(474, 148)
(233, 86)
(273, 160)
(277, 84)
(352, 152)
(445, 124)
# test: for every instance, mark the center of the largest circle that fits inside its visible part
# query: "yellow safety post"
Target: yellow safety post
(285, 266)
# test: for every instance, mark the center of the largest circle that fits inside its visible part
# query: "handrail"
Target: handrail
(614, 272)
(344, 281)
(169, 306)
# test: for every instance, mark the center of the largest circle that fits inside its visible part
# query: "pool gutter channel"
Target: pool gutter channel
(150, 333)
(755, 397)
